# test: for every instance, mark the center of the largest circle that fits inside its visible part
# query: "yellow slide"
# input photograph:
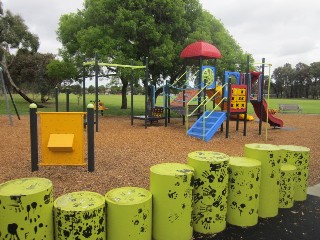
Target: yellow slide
(218, 98)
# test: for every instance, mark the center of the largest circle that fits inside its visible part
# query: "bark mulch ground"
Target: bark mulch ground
(125, 153)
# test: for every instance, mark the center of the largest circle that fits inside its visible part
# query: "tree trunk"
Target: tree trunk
(124, 103)
(15, 87)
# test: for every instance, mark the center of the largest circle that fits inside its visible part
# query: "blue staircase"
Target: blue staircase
(212, 124)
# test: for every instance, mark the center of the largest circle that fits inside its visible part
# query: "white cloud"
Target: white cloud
(280, 31)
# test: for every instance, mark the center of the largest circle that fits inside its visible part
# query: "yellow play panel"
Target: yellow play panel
(62, 138)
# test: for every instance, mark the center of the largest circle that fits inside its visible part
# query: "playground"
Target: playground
(124, 155)
(125, 152)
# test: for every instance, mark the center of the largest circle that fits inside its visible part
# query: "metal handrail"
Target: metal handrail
(204, 102)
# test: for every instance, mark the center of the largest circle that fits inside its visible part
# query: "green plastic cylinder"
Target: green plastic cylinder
(171, 188)
(244, 188)
(270, 158)
(210, 191)
(287, 183)
(129, 214)
(80, 215)
(299, 157)
(26, 209)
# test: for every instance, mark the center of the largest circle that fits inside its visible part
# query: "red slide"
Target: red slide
(272, 120)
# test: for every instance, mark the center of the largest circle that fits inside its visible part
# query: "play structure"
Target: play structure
(62, 138)
(98, 64)
(202, 196)
(212, 104)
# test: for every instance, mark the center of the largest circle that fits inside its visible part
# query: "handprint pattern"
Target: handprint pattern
(32, 212)
(299, 157)
(287, 183)
(244, 185)
(210, 191)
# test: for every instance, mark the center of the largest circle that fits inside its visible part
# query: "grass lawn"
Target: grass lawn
(113, 102)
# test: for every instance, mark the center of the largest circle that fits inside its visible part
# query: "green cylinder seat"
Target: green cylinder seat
(243, 194)
(129, 214)
(210, 191)
(171, 188)
(287, 184)
(298, 156)
(270, 157)
(26, 209)
(80, 215)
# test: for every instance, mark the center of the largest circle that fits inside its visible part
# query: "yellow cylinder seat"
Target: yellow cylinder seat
(243, 194)
(26, 209)
(171, 187)
(129, 214)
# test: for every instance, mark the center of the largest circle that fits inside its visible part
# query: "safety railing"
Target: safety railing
(203, 104)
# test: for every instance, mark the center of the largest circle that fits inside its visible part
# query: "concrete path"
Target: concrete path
(314, 190)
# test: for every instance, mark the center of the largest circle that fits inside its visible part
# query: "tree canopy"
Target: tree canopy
(125, 31)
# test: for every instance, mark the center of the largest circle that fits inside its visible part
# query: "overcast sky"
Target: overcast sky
(282, 31)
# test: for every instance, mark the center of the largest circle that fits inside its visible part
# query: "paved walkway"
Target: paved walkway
(314, 190)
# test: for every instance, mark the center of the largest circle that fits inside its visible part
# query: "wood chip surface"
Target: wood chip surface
(125, 153)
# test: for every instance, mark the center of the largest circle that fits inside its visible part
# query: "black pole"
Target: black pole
(34, 137)
(131, 86)
(90, 136)
(261, 97)
(56, 94)
(84, 89)
(166, 104)
(168, 101)
(228, 107)
(184, 106)
(146, 95)
(248, 83)
(200, 85)
(96, 68)
(67, 100)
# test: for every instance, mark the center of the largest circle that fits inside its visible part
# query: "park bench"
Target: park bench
(289, 108)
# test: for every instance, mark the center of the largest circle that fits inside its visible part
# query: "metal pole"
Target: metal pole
(228, 107)
(131, 86)
(34, 137)
(67, 100)
(56, 98)
(96, 68)
(261, 96)
(146, 95)
(84, 89)
(166, 104)
(90, 136)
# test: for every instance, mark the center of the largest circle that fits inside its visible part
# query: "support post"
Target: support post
(261, 96)
(67, 100)
(84, 104)
(96, 69)
(146, 95)
(228, 107)
(34, 137)
(131, 86)
(90, 135)
(56, 91)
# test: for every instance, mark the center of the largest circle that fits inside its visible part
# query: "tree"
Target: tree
(315, 73)
(303, 78)
(14, 34)
(30, 71)
(123, 30)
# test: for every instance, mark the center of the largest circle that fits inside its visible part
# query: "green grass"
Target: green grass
(113, 102)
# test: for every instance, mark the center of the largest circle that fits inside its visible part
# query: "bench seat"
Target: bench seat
(290, 108)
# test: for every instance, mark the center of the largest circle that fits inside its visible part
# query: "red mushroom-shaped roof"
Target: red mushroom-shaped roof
(200, 49)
